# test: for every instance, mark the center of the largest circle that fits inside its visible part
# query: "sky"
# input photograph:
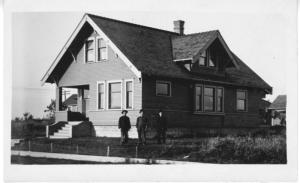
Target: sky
(259, 37)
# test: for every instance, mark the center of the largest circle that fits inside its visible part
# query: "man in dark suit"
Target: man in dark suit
(124, 126)
(161, 127)
(141, 126)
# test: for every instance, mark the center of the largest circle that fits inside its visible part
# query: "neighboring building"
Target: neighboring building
(71, 103)
(278, 110)
(195, 78)
(264, 112)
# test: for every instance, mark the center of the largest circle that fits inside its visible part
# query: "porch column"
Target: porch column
(58, 101)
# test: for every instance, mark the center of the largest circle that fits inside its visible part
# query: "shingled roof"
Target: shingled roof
(279, 103)
(153, 51)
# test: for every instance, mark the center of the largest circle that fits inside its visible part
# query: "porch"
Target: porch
(75, 110)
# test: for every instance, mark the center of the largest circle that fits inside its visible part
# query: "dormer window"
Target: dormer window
(206, 59)
(90, 50)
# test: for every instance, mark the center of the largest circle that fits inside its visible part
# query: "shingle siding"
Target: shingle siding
(179, 108)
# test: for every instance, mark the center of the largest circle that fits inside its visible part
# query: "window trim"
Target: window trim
(246, 100)
(166, 82)
(198, 85)
(97, 46)
(107, 96)
(94, 45)
(97, 96)
(214, 112)
(132, 100)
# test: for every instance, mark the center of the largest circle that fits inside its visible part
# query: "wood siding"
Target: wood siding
(81, 73)
(179, 108)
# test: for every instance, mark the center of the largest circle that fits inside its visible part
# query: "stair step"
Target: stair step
(58, 133)
(58, 137)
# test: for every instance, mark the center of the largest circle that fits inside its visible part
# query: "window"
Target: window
(207, 59)
(198, 98)
(163, 88)
(220, 99)
(241, 101)
(129, 94)
(90, 50)
(101, 94)
(101, 49)
(209, 99)
(114, 99)
(202, 59)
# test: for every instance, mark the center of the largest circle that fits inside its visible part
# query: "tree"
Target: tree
(50, 109)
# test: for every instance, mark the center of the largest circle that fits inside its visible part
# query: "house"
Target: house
(278, 110)
(195, 79)
(71, 103)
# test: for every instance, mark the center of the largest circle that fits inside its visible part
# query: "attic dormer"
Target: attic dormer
(203, 52)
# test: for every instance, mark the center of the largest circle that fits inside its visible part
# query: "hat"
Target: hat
(124, 111)
(141, 110)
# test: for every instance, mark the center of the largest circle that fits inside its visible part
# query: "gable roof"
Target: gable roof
(151, 51)
(279, 102)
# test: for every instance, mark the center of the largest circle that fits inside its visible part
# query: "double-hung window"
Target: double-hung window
(101, 49)
(209, 99)
(114, 98)
(90, 50)
(129, 94)
(198, 98)
(101, 95)
(163, 88)
(241, 100)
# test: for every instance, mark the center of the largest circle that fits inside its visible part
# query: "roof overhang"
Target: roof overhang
(87, 19)
(218, 36)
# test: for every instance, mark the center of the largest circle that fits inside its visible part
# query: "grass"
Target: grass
(236, 150)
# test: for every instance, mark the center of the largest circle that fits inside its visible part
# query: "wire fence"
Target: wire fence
(130, 151)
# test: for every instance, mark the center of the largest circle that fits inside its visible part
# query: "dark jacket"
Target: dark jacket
(124, 123)
(141, 123)
(161, 123)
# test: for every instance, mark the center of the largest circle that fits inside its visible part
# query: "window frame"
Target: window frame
(246, 100)
(165, 82)
(97, 95)
(108, 94)
(206, 59)
(97, 47)
(203, 111)
(195, 102)
(132, 100)
(214, 97)
(85, 50)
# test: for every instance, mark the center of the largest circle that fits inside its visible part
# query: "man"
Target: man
(141, 125)
(161, 127)
(124, 126)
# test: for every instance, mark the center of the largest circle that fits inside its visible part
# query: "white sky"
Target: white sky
(259, 33)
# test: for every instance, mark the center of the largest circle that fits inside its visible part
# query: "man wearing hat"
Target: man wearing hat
(124, 126)
(161, 127)
(141, 125)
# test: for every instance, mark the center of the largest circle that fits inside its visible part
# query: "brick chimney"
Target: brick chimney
(179, 26)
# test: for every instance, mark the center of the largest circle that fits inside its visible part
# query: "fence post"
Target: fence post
(29, 145)
(51, 147)
(47, 131)
(136, 151)
(77, 150)
(108, 149)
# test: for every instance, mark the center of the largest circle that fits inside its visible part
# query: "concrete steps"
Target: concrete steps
(66, 131)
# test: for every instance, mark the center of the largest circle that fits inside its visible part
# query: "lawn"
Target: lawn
(233, 150)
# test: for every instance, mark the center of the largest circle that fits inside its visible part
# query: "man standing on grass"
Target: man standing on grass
(124, 126)
(141, 125)
(161, 127)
